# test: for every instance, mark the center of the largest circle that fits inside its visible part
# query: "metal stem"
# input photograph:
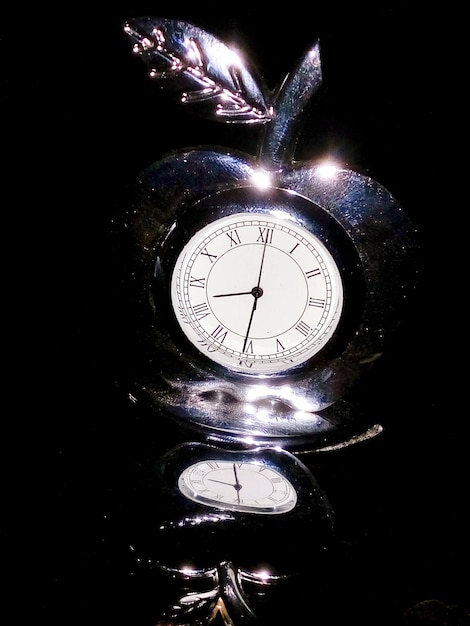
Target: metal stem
(280, 136)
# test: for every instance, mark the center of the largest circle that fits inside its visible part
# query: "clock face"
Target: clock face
(257, 293)
(250, 487)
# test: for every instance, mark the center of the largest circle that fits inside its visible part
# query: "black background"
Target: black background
(81, 119)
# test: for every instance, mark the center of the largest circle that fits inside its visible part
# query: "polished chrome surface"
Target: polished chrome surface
(226, 602)
(291, 101)
(299, 407)
(292, 405)
(207, 73)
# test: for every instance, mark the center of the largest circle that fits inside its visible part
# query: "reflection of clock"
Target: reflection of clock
(256, 292)
(252, 481)
(197, 489)
(222, 529)
(238, 486)
(259, 289)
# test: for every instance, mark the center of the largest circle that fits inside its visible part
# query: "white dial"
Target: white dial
(257, 293)
(238, 486)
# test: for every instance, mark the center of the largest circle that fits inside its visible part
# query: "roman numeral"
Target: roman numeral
(279, 346)
(212, 464)
(201, 310)
(234, 238)
(265, 235)
(303, 328)
(219, 333)
(218, 496)
(312, 273)
(249, 347)
(197, 282)
(316, 302)
(211, 257)
(296, 246)
(208, 346)
(184, 315)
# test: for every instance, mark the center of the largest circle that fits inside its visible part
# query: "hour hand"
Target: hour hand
(237, 482)
(239, 293)
(222, 482)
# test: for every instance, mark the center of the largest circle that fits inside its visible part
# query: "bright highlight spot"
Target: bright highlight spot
(328, 169)
(261, 179)
(263, 575)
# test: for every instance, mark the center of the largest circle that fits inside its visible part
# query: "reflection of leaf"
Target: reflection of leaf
(207, 73)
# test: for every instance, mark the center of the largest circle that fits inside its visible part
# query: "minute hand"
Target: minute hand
(257, 292)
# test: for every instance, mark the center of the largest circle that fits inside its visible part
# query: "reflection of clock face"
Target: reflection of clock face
(257, 293)
(251, 487)
(238, 499)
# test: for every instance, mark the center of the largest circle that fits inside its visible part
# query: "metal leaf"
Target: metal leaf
(208, 74)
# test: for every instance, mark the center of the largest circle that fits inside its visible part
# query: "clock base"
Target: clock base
(220, 414)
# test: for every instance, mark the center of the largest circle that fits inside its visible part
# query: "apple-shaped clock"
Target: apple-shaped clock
(261, 287)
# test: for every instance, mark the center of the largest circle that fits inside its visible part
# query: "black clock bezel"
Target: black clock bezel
(249, 200)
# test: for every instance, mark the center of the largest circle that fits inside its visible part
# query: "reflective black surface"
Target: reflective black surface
(84, 121)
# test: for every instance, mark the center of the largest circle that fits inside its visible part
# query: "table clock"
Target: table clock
(261, 288)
